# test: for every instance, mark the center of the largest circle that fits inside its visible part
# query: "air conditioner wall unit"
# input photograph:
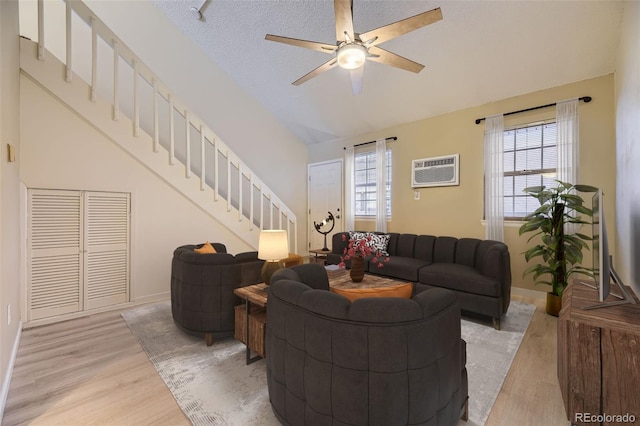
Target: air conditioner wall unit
(435, 171)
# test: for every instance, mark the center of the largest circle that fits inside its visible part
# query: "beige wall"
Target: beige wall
(458, 210)
(9, 192)
(627, 100)
(62, 151)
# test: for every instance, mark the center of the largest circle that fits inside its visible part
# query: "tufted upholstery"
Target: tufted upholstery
(202, 299)
(478, 271)
(384, 361)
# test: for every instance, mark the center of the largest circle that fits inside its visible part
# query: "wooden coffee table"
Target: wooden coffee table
(255, 296)
(339, 278)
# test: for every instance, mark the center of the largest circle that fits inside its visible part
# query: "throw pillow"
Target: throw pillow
(206, 248)
(400, 290)
(380, 243)
(376, 242)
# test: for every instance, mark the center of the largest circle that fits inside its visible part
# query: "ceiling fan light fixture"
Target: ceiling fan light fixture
(351, 56)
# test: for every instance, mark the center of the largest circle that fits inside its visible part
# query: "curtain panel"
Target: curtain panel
(381, 185)
(494, 177)
(568, 160)
(349, 188)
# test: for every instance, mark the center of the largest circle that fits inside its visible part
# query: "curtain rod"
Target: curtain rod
(586, 100)
(390, 138)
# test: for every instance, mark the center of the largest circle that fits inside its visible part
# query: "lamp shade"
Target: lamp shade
(273, 245)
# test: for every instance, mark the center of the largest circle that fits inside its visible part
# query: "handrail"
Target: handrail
(122, 52)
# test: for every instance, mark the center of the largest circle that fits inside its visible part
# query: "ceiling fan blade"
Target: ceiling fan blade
(356, 80)
(388, 58)
(399, 28)
(322, 68)
(320, 47)
(344, 19)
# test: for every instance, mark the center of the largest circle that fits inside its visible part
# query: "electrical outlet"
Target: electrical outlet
(9, 314)
(416, 195)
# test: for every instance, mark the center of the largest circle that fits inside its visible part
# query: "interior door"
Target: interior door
(55, 253)
(78, 251)
(325, 195)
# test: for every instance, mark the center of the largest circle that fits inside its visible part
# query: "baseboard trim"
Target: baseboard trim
(542, 295)
(158, 297)
(7, 378)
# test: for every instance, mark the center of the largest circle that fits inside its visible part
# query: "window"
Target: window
(530, 157)
(365, 183)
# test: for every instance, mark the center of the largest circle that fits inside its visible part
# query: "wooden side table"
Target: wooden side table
(253, 295)
(320, 255)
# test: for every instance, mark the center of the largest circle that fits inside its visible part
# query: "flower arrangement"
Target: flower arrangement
(362, 247)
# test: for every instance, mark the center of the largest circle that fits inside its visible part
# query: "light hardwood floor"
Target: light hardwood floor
(92, 371)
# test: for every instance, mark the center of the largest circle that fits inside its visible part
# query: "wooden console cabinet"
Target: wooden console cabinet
(598, 357)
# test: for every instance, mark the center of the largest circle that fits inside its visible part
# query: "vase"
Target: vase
(554, 304)
(357, 269)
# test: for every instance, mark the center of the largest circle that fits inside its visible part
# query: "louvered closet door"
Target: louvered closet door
(55, 246)
(106, 253)
(78, 251)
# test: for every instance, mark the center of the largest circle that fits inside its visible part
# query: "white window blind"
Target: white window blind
(365, 183)
(530, 158)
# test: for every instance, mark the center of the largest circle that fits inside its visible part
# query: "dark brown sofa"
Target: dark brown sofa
(376, 361)
(477, 271)
(202, 299)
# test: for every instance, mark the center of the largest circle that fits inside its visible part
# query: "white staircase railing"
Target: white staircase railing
(116, 75)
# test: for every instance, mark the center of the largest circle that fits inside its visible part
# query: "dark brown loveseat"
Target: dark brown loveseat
(376, 361)
(202, 299)
(477, 271)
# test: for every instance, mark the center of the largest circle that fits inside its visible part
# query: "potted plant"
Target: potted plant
(356, 251)
(561, 253)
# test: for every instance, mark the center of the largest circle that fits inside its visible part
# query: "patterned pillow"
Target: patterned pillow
(377, 242)
(380, 243)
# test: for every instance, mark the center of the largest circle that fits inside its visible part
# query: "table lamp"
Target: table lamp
(273, 246)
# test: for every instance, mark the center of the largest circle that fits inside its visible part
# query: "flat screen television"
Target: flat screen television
(600, 248)
(603, 271)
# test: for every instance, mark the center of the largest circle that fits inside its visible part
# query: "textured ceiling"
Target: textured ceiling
(482, 51)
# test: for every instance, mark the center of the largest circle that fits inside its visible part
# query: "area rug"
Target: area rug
(213, 386)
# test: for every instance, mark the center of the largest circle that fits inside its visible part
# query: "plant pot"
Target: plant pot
(357, 269)
(554, 304)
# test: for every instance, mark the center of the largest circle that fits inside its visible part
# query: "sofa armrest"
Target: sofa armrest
(248, 256)
(497, 265)
(338, 243)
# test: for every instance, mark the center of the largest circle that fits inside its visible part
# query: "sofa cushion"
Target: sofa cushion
(461, 278)
(400, 290)
(402, 268)
(424, 247)
(444, 250)
(406, 243)
(466, 251)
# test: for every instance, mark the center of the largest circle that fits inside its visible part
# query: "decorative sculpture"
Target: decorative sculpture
(324, 222)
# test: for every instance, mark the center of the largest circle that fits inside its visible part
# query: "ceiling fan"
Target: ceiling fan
(353, 49)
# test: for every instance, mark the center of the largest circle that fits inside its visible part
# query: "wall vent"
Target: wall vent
(435, 171)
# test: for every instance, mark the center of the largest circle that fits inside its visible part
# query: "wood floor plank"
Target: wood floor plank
(85, 371)
(530, 394)
(93, 371)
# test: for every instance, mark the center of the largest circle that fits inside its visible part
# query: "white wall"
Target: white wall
(9, 192)
(60, 150)
(627, 88)
(265, 145)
